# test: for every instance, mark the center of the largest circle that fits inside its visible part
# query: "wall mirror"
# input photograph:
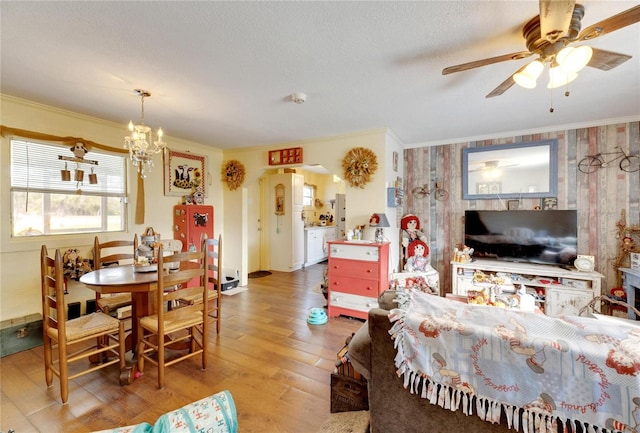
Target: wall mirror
(509, 171)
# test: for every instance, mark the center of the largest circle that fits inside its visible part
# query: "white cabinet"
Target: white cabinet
(316, 247)
(565, 291)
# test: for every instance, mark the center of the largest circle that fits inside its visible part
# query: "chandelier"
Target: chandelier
(140, 143)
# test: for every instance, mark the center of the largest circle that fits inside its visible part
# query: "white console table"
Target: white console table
(630, 284)
(566, 290)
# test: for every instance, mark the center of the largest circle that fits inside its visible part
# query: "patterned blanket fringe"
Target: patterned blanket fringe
(487, 410)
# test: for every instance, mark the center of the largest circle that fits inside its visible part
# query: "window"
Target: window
(308, 193)
(42, 203)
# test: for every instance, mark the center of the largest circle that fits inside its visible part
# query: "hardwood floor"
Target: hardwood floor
(276, 366)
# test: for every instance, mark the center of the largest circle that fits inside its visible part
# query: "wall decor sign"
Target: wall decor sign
(183, 173)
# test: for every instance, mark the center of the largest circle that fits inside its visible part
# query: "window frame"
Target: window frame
(44, 170)
(307, 187)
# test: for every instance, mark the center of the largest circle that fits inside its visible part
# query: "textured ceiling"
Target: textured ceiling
(220, 73)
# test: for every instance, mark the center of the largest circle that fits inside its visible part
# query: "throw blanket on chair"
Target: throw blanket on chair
(534, 369)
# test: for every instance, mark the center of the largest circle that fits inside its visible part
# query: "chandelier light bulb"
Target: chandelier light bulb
(529, 75)
(574, 59)
(141, 151)
(558, 78)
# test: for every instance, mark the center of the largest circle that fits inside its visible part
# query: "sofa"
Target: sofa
(395, 409)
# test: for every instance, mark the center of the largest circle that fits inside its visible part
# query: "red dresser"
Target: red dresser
(358, 273)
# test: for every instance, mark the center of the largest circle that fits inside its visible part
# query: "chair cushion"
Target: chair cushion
(87, 325)
(114, 302)
(151, 322)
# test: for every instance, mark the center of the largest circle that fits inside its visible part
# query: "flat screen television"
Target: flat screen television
(533, 236)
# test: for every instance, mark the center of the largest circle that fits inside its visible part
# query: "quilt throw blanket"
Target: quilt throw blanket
(571, 369)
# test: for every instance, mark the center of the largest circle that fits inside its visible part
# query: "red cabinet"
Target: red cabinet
(190, 222)
(358, 273)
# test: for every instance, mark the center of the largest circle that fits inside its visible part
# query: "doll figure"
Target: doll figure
(410, 225)
(419, 260)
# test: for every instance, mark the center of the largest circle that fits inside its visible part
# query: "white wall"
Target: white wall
(19, 257)
(328, 152)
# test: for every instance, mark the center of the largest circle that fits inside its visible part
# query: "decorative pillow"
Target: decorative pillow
(214, 414)
(138, 428)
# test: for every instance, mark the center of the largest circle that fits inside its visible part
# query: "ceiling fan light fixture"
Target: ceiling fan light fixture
(573, 59)
(558, 78)
(529, 75)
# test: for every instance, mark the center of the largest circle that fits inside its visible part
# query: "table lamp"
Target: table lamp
(379, 221)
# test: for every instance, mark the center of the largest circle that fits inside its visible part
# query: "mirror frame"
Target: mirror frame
(516, 148)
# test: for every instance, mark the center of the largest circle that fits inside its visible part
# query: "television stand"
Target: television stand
(565, 290)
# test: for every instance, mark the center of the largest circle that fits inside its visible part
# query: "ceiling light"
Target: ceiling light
(559, 78)
(528, 76)
(140, 144)
(574, 59)
(299, 98)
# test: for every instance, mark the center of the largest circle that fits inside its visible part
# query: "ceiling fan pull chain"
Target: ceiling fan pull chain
(551, 93)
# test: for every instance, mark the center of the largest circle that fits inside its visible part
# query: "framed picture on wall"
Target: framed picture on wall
(183, 173)
(513, 204)
(549, 203)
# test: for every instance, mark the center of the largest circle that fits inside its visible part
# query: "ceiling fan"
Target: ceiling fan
(549, 36)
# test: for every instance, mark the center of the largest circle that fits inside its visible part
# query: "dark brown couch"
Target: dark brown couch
(392, 408)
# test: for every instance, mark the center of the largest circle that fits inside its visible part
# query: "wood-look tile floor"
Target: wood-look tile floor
(276, 366)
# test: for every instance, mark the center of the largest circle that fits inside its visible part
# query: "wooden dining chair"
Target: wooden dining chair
(67, 341)
(183, 329)
(112, 253)
(215, 277)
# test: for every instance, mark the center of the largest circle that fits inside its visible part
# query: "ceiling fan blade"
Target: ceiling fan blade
(555, 17)
(611, 24)
(484, 62)
(606, 60)
(505, 85)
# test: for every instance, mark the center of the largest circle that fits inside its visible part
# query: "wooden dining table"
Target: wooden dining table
(125, 279)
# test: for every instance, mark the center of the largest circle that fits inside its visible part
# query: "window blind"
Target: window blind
(36, 167)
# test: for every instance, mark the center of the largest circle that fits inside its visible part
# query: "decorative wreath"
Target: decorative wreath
(359, 165)
(233, 174)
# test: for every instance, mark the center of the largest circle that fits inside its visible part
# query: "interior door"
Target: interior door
(255, 219)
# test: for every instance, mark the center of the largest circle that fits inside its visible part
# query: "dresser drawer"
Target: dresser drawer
(357, 286)
(352, 302)
(355, 252)
(352, 268)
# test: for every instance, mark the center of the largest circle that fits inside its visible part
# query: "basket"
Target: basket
(349, 390)
(348, 394)
(150, 236)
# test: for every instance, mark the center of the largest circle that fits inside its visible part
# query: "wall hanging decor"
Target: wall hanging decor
(233, 174)
(79, 150)
(359, 165)
(279, 196)
(183, 173)
(291, 155)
